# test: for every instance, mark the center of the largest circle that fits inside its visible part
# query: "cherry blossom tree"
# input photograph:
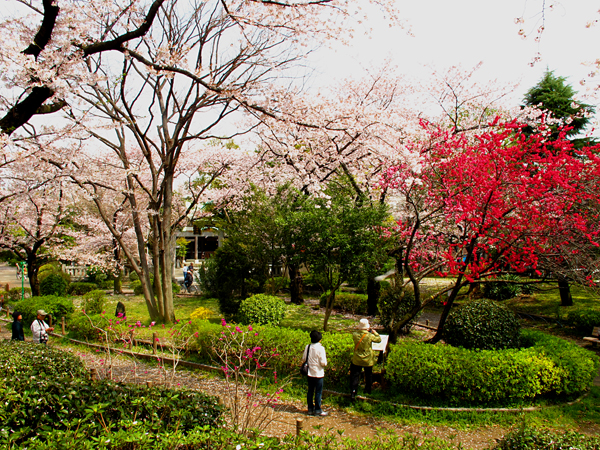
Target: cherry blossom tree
(39, 222)
(478, 205)
(150, 83)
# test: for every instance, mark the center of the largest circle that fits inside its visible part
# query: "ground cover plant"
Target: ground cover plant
(45, 390)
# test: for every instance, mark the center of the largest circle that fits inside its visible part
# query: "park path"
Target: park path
(8, 275)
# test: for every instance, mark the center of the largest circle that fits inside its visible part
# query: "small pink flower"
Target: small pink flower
(249, 327)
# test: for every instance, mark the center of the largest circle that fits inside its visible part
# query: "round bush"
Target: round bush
(261, 309)
(482, 324)
(94, 301)
(54, 284)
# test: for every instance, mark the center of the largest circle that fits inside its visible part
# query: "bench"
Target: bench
(595, 337)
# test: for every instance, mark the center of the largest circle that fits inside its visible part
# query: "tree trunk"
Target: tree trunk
(328, 308)
(118, 283)
(566, 299)
(32, 273)
(295, 285)
(373, 288)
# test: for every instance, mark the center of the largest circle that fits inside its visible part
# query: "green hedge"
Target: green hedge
(549, 366)
(81, 287)
(346, 301)
(57, 307)
(44, 390)
(290, 345)
(583, 320)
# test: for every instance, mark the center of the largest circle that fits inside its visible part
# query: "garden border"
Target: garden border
(206, 367)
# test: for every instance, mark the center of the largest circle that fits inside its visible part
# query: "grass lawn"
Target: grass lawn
(545, 301)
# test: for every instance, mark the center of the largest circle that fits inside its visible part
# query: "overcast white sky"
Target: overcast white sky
(465, 32)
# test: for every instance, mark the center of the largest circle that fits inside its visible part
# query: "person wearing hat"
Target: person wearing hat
(17, 327)
(363, 357)
(39, 328)
(317, 360)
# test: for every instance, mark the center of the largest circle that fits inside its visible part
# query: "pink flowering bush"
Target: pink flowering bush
(244, 362)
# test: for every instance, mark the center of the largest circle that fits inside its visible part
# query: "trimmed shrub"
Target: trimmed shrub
(550, 365)
(93, 301)
(55, 306)
(583, 320)
(482, 324)
(14, 294)
(346, 301)
(81, 288)
(133, 276)
(79, 327)
(25, 360)
(53, 268)
(578, 366)
(261, 309)
(54, 284)
(532, 439)
(288, 343)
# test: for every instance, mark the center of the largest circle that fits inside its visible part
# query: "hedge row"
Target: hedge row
(549, 365)
(55, 306)
(290, 345)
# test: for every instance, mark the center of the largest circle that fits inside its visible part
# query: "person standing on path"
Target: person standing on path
(40, 329)
(317, 360)
(363, 357)
(17, 327)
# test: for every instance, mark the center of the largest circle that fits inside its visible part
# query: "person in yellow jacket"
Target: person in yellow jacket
(363, 357)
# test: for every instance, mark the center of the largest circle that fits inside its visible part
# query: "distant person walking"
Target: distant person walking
(317, 360)
(189, 277)
(17, 327)
(363, 357)
(40, 329)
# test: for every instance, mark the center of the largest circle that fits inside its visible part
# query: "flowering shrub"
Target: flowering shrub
(201, 313)
(243, 364)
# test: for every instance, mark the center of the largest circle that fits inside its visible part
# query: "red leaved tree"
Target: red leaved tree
(477, 205)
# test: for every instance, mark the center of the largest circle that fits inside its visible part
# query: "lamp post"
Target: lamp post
(22, 265)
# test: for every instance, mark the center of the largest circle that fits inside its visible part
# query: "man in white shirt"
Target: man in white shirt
(40, 329)
(317, 360)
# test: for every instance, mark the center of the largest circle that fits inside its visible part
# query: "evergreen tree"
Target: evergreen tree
(556, 98)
